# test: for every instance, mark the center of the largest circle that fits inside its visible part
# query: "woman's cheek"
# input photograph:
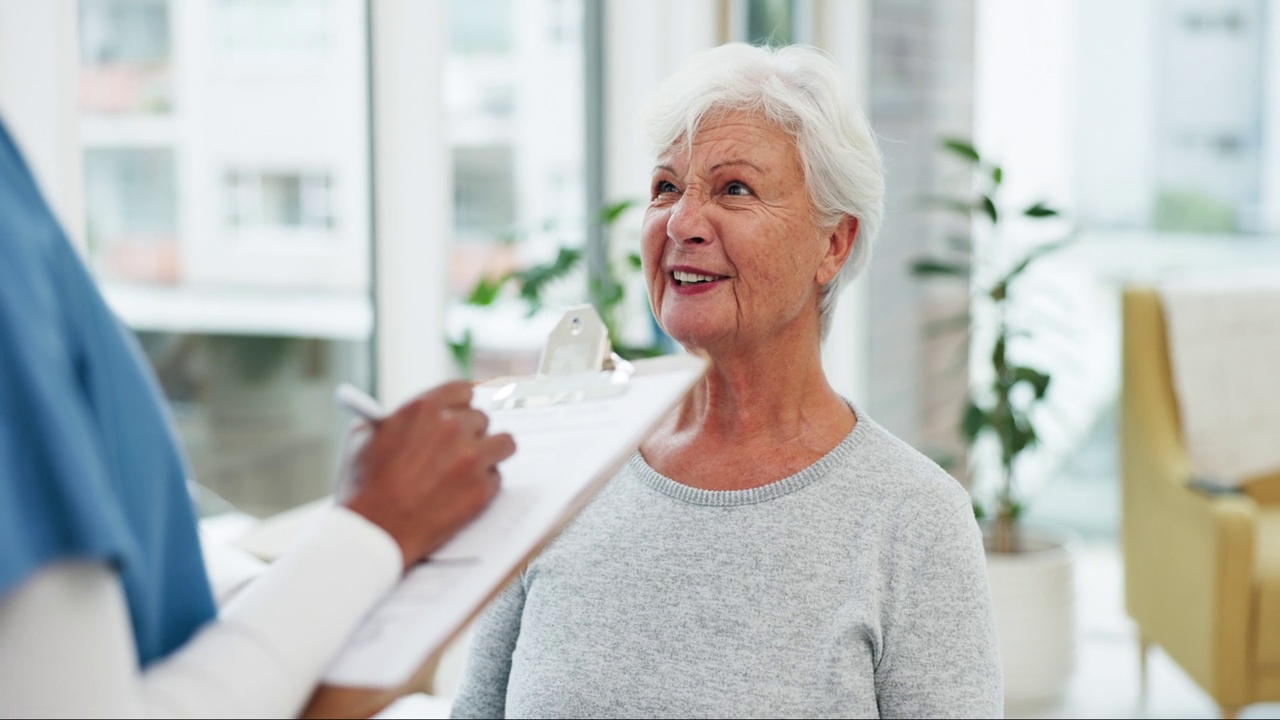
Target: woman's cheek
(652, 237)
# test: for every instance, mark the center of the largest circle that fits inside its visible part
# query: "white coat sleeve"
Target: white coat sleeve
(67, 648)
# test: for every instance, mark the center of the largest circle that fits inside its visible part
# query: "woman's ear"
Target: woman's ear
(839, 245)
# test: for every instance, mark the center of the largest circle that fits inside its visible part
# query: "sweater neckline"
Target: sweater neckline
(835, 457)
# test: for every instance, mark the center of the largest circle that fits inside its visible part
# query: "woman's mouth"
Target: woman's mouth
(685, 278)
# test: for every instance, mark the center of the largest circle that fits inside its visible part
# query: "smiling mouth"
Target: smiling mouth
(685, 279)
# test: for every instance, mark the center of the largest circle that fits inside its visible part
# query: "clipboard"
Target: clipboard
(575, 423)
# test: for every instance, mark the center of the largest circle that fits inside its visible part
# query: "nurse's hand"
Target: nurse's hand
(429, 469)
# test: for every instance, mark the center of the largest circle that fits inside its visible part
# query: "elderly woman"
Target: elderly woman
(770, 551)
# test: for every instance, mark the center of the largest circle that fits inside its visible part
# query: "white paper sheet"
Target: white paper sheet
(564, 455)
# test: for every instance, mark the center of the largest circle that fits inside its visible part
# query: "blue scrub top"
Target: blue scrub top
(89, 465)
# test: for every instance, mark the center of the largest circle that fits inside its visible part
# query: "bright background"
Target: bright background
(279, 195)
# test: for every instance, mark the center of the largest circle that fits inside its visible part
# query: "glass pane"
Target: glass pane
(132, 214)
(255, 414)
(274, 30)
(235, 240)
(478, 27)
(1211, 116)
(484, 192)
(514, 93)
(771, 22)
(125, 56)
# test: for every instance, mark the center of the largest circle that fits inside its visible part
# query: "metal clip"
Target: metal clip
(577, 364)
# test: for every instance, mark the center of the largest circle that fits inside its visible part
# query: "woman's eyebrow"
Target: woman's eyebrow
(732, 163)
(668, 168)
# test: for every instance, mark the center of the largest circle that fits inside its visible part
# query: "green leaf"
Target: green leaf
(606, 295)
(930, 266)
(1021, 436)
(945, 460)
(997, 175)
(961, 148)
(1040, 210)
(987, 205)
(610, 213)
(534, 280)
(462, 351)
(978, 512)
(636, 352)
(1032, 256)
(974, 420)
(486, 290)
(634, 261)
(1039, 381)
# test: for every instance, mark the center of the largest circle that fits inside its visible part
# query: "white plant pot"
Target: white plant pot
(1033, 593)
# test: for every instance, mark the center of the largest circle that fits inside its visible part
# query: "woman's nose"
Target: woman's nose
(688, 223)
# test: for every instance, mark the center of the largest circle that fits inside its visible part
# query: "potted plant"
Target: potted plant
(1031, 569)
(531, 283)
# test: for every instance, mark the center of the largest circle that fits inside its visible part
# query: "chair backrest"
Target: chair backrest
(1151, 437)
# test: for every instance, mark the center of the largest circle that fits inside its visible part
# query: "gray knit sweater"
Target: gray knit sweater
(854, 588)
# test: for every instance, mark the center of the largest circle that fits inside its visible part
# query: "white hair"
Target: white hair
(799, 89)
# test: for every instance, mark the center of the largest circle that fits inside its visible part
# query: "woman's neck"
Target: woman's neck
(755, 418)
(741, 398)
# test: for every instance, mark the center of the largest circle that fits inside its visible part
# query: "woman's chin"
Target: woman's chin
(696, 339)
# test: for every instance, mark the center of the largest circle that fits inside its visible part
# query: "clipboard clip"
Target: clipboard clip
(577, 364)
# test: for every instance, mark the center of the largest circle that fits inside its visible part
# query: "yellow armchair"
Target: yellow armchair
(1201, 570)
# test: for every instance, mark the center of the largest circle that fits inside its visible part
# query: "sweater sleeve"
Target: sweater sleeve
(941, 657)
(66, 648)
(482, 692)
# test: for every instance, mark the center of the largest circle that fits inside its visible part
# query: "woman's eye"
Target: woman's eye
(663, 186)
(737, 188)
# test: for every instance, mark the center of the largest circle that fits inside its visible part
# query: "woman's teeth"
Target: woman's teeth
(688, 278)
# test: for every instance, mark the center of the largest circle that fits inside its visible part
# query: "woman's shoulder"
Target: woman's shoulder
(904, 481)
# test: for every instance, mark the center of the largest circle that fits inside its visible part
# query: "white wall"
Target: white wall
(1114, 136)
(843, 28)
(1271, 126)
(413, 208)
(1025, 94)
(38, 99)
(644, 43)
(1060, 103)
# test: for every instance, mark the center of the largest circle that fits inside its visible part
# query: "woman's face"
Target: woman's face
(732, 254)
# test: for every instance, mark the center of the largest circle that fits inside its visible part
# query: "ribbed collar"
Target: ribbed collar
(752, 496)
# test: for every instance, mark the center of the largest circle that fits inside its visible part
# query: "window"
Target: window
(253, 32)
(231, 230)
(480, 27)
(132, 213)
(125, 56)
(280, 202)
(484, 192)
(514, 82)
(1211, 116)
(771, 22)
(255, 413)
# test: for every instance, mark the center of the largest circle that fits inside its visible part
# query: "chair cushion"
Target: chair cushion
(1268, 583)
(1265, 489)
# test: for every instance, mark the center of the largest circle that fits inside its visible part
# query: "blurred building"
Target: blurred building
(227, 215)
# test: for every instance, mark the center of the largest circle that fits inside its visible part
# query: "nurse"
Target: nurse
(105, 608)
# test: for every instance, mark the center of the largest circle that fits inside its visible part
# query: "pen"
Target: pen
(357, 401)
